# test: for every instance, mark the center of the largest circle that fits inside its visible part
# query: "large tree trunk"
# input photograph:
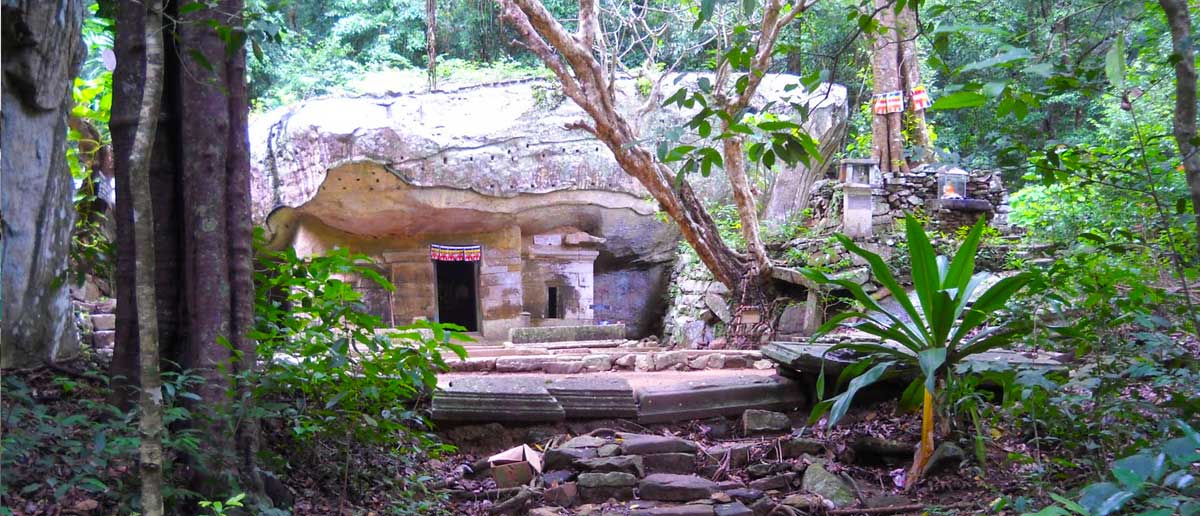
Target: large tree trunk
(895, 66)
(1184, 123)
(200, 190)
(41, 54)
(150, 421)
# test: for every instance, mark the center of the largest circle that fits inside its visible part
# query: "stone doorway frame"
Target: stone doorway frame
(437, 302)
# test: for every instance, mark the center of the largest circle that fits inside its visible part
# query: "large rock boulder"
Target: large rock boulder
(42, 51)
(393, 164)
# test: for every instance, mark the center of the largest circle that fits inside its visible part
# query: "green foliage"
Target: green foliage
(347, 374)
(220, 508)
(51, 450)
(947, 325)
(1156, 481)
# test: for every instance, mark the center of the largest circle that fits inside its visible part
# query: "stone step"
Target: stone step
(594, 360)
(594, 397)
(727, 396)
(542, 334)
(515, 399)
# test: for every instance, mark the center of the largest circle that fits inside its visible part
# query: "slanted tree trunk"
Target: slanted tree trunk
(1184, 123)
(574, 62)
(895, 66)
(150, 422)
(200, 193)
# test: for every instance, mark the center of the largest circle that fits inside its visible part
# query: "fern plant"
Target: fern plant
(948, 323)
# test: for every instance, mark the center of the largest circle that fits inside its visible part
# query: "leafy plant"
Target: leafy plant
(946, 326)
(1159, 480)
(219, 508)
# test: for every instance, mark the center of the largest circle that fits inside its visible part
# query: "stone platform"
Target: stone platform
(648, 397)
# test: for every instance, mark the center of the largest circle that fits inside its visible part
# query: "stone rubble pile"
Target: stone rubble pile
(606, 472)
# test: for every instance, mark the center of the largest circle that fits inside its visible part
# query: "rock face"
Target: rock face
(390, 172)
(42, 51)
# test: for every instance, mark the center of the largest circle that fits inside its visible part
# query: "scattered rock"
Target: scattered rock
(644, 362)
(759, 422)
(543, 511)
(625, 361)
(745, 495)
(717, 428)
(566, 458)
(739, 454)
(698, 362)
(645, 444)
(875, 451)
(763, 365)
(819, 481)
(599, 487)
(572, 367)
(761, 470)
(631, 464)
(718, 306)
(763, 507)
(718, 343)
(804, 502)
(563, 495)
(721, 497)
(584, 441)
(675, 510)
(732, 509)
(669, 359)
(675, 488)
(608, 450)
(798, 446)
(560, 476)
(675, 463)
(775, 483)
(947, 457)
(597, 362)
(715, 361)
(103, 322)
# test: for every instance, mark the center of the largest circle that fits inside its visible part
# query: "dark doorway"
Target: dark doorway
(456, 294)
(552, 303)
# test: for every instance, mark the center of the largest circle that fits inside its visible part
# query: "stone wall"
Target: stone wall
(915, 192)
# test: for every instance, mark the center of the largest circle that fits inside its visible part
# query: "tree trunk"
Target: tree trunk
(886, 133)
(896, 66)
(202, 231)
(431, 41)
(42, 50)
(150, 422)
(1184, 123)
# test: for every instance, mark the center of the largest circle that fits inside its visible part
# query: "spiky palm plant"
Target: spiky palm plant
(938, 335)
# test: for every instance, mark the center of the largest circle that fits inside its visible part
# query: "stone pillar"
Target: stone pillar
(42, 50)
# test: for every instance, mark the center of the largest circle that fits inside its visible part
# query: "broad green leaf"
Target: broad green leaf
(1069, 504)
(1008, 56)
(1114, 62)
(930, 360)
(923, 260)
(959, 100)
(1104, 498)
(842, 403)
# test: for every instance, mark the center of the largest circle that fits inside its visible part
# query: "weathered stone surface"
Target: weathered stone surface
(631, 464)
(732, 509)
(764, 469)
(674, 463)
(101, 322)
(675, 510)
(594, 363)
(759, 422)
(473, 364)
(695, 399)
(645, 444)
(584, 441)
(947, 457)
(804, 502)
(668, 359)
(558, 476)
(792, 321)
(595, 397)
(777, 482)
(543, 334)
(104, 339)
(718, 306)
(625, 361)
(516, 399)
(42, 52)
(562, 495)
(608, 450)
(798, 446)
(566, 458)
(819, 481)
(675, 488)
(744, 494)
(524, 364)
(598, 487)
(763, 506)
(738, 453)
(571, 367)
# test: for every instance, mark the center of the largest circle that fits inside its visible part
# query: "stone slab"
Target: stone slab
(532, 335)
(722, 396)
(595, 397)
(496, 398)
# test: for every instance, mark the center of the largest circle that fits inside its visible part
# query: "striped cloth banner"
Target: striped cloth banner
(890, 102)
(455, 253)
(920, 99)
